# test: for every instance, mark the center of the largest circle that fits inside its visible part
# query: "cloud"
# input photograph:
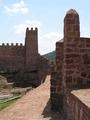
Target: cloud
(85, 31)
(47, 42)
(51, 36)
(20, 28)
(15, 8)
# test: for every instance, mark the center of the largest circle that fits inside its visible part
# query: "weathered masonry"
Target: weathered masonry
(71, 71)
(23, 64)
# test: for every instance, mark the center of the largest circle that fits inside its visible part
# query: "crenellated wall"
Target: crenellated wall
(23, 65)
(12, 56)
(31, 47)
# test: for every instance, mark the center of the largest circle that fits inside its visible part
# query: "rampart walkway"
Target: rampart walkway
(35, 105)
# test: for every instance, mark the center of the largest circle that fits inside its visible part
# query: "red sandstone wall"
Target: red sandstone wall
(43, 68)
(78, 110)
(59, 63)
(31, 47)
(56, 78)
(84, 67)
(77, 63)
(76, 68)
(11, 56)
(71, 50)
(72, 69)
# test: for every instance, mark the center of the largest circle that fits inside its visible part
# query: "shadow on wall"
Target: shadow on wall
(48, 113)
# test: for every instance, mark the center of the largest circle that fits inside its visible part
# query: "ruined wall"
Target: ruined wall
(84, 64)
(53, 88)
(72, 68)
(22, 64)
(71, 50)
(11, 56)
(43, 68)
(79, 110)
(59, 63)
(56, 78)
(76, 69)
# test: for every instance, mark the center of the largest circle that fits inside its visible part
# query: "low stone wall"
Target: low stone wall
(78, 110)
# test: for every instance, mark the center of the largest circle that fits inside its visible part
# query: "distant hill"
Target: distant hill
(51, 56)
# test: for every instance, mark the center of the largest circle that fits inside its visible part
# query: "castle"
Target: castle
(21, 64)
(70, 75)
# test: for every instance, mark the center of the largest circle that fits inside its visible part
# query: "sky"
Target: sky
(46, 15)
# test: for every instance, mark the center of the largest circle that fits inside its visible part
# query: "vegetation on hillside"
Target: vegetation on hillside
(51, 56)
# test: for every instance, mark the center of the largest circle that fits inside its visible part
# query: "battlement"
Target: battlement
(11, 45)
(31, 45)
(24, 60)
(32, 30)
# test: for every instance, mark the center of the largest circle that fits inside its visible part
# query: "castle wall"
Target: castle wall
(43, 68)
(59, 63)
(71, 50)
(84, 64)
(22, 64)
(72, 68)
(31, 48)
(11, 56)
(56, 78)
(79, 110)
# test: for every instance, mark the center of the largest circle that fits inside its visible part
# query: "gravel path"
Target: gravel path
(35, 105)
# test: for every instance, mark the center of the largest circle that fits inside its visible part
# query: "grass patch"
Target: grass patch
(6, 103)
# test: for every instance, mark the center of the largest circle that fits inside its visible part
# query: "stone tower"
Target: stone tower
(71, 52)
(67, 61)
(31, 48)
(71, 55)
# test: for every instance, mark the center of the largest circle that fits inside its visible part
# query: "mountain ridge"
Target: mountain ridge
(51, 56)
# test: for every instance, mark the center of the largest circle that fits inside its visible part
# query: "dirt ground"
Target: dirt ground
(35, 105)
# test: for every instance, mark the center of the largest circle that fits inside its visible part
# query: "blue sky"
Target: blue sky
(47, 15)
